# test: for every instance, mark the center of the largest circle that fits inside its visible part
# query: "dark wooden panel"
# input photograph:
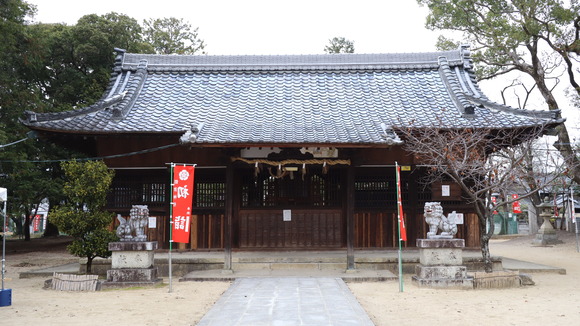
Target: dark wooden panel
(307, 229)
(375, 229)
(159, 232)
(470, 230)
(210, 229)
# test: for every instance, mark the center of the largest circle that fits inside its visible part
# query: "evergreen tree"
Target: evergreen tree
(339, 45)
(83, 216)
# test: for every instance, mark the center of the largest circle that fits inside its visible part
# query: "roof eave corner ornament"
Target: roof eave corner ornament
(119, 57)
(391, 138)
(557, 120)
(30, 117)
(469, 110)
(117, 114)
(466, 54)
(190, 136)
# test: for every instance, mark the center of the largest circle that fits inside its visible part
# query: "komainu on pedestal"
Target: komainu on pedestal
(441, 256)
(133, 256)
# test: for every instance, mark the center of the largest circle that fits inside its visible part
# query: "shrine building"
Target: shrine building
(292, 152)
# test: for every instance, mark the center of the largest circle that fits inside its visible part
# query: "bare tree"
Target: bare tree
(481, 162)
(537, 38)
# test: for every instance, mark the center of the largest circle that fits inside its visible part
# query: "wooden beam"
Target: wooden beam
(350, 219)
(229, 217)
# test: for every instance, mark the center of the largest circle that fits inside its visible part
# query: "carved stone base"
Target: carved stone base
(132, 264)
(464, 284)
(132, 275)
(441, 264)
(118, 285)
(441, 272)
(546, 238)
(138, 254)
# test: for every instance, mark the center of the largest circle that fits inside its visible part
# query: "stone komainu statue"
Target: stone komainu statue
(134, 228)
(433, 213)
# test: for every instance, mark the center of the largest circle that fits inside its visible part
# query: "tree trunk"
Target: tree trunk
(533, 220)
(563, 145)
(89, 265)
(17, 225)
(26, 228)
(51, 230)
(485, 235)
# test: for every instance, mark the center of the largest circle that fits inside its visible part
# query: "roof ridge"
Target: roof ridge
(339, 61)
(120, 112)
(455, 88)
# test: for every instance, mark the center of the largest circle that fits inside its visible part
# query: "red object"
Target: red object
(494, 202)
(402, 228)
(182, 202)
(36, 223)
(516, 208)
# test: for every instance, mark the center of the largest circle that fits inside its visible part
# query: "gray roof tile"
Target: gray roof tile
(312, 99)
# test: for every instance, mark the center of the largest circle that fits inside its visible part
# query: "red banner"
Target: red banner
(36, 222)
(182, 202)
(402, 228)
(517, 209)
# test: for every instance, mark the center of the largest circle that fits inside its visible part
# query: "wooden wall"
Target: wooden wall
(307, 229)
(315, 227)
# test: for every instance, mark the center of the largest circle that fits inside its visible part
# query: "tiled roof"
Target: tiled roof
(336, 99)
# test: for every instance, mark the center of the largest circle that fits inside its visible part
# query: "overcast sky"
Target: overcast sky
(271, 26)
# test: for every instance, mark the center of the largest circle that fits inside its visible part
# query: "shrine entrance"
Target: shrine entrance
(291, 209)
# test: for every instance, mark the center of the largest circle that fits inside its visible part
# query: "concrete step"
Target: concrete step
(348, 276)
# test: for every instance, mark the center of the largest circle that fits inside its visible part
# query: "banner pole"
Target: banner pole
(171, 228)
(398, 177)
(3, 243)
(574, 219)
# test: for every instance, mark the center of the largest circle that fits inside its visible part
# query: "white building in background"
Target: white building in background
(38, 223)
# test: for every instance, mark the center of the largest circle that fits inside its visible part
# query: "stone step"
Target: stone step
(285, 265)
(183, 263)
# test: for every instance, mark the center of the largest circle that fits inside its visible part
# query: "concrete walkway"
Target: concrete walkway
(528, 267)
(71, 268)
(287, 301)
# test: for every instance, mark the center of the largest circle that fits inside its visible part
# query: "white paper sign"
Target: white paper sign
(445, 191)
(458, 218)
(152, 222)
(287, 214)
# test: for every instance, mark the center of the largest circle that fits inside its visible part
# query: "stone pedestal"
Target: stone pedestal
(546, 235)
(132, 264)
(441, 264)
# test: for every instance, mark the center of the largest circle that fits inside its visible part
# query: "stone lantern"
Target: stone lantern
(546, 234)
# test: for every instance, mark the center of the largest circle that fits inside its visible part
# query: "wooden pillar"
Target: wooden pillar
(229, 217)
(413, 224)
(350, 219)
